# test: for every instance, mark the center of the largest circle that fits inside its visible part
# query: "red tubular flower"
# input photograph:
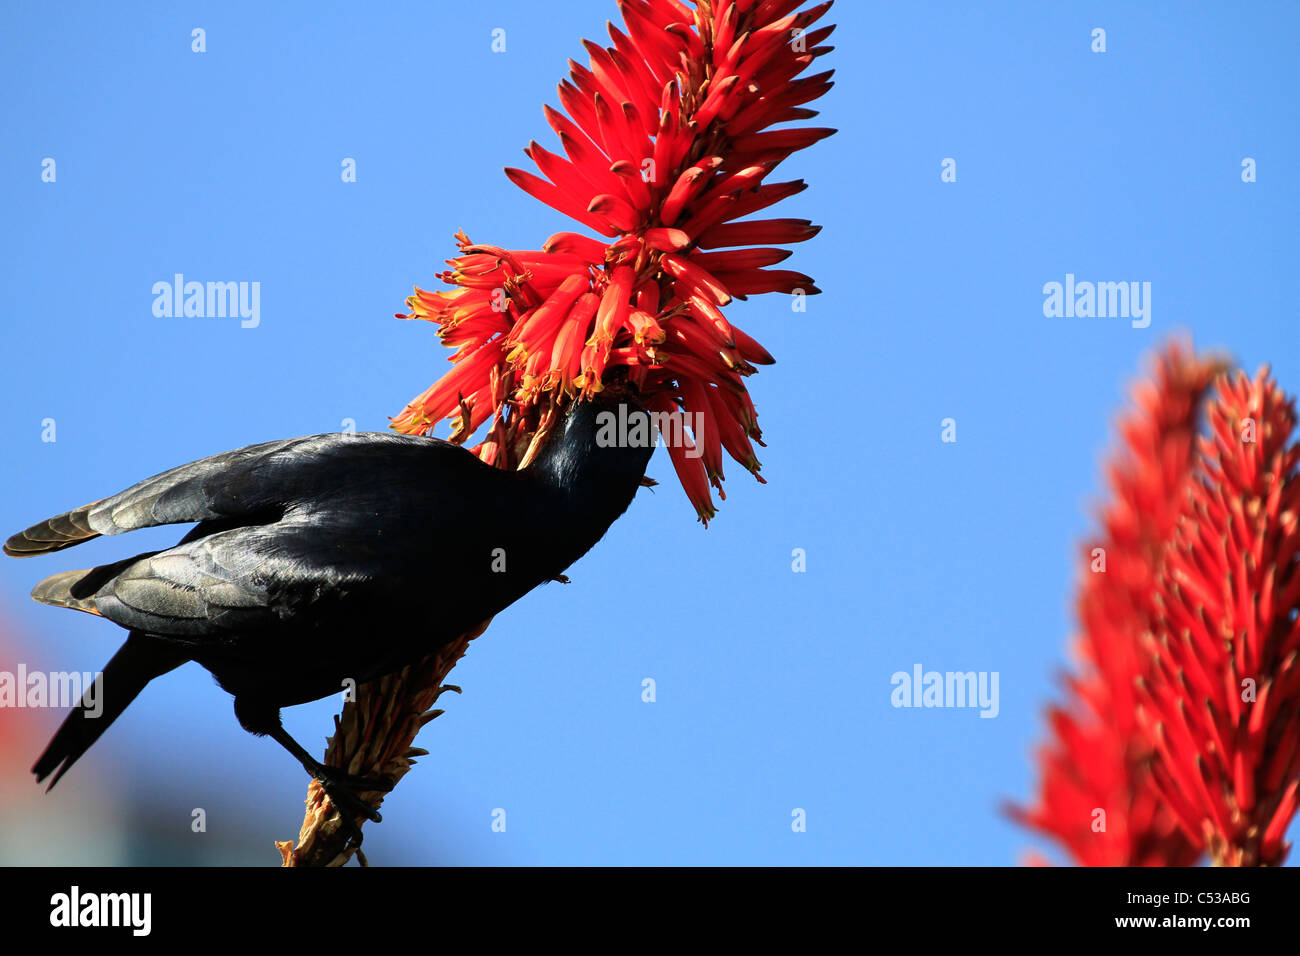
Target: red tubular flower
(666, 147)
(1096, 795)
(1222, 701)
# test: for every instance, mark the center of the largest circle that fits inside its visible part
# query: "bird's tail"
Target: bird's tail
(76, 589)
(57, 590)
(135, 664)
(53, 534)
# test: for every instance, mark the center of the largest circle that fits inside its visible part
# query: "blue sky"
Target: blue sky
(773, 687)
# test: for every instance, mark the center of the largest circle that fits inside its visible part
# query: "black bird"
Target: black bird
(327, 558)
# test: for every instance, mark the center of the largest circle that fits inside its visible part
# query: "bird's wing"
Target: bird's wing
(192, 492)
(217, 584)
(292, 525)
(310, 568)
(249, 485)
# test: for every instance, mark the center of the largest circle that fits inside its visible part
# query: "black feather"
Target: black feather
(135, 664)
(329, 558)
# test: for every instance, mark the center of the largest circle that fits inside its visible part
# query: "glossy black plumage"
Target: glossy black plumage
(326, 558)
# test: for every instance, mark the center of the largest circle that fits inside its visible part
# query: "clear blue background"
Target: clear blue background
(773, 687)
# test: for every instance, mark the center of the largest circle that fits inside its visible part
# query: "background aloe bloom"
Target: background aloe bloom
(1179, 735)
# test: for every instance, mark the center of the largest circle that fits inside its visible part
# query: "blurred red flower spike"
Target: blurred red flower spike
(1098, 797)
(1229, 597)
(1188, 712)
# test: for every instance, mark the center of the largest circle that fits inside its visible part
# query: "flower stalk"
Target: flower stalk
(374, 736)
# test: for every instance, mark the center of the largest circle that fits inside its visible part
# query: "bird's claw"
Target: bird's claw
(342, 789)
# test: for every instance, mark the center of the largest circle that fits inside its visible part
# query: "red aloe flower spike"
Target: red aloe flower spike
(1228, 633)
(1099, 757)
(666, 143)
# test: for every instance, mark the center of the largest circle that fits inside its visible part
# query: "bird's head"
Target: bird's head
(605, 440)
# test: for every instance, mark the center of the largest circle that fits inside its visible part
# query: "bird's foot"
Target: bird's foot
(343, 789)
